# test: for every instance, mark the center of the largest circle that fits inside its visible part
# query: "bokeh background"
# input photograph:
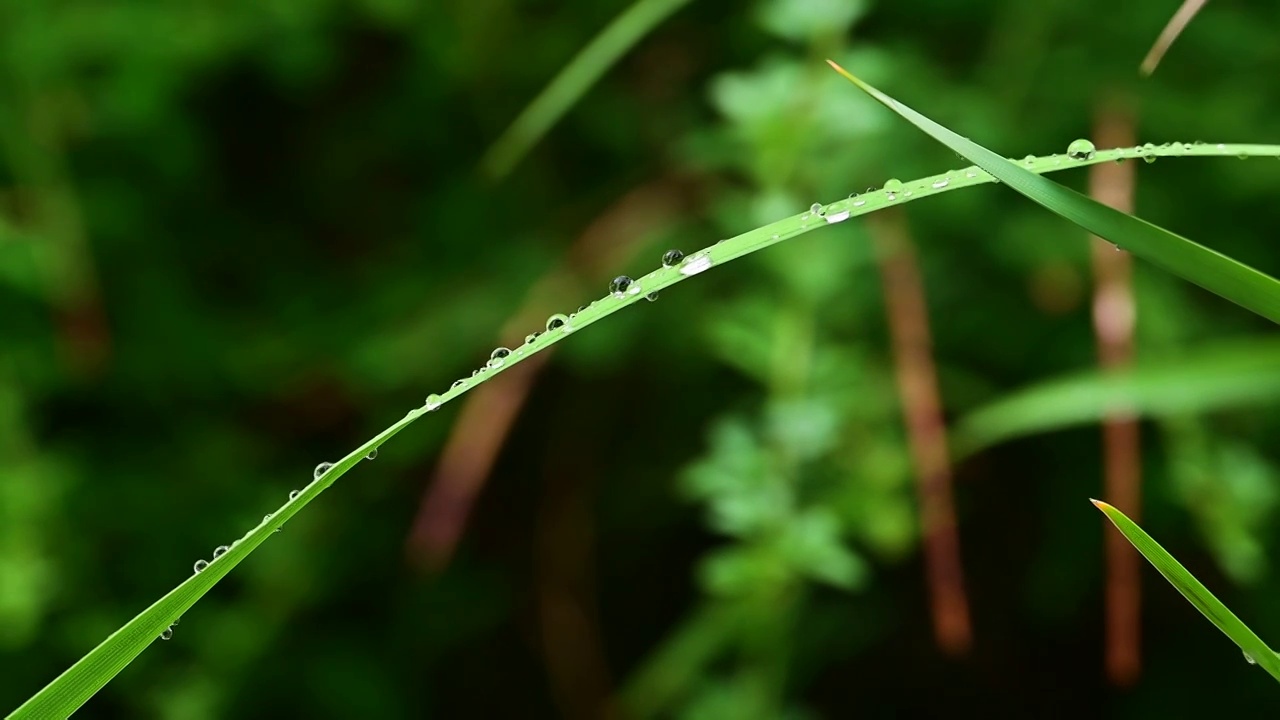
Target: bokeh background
(240, 238)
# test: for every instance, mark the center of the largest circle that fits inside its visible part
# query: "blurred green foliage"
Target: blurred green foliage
(237, 239)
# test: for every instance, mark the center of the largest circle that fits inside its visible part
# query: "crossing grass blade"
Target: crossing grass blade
(1217, 273)
(1194, 591)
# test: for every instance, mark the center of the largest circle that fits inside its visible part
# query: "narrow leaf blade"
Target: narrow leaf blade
(1217, 273)
(1194, 591)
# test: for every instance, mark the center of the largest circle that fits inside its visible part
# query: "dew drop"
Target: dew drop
(166, 633)
(434, 401)
(200, 565)
(1029, 160)
(457, 384)
(499, 353)
(695, 264)
(373, 454)
(531, 337)
(651, 296)
(1249, 658)
(671, 258)
(970, 174)
(939, 184)
(220, 551)
(321, 469)
(619, 286)
(837, 217)
(293, 494)
(816, 208)
(555, 322)
(892, 186)
(1081, 149)
(859, 203)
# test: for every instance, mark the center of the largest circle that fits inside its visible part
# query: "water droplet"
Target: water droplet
(651, 296)
(433, 402)
(499, 353)
(220, 551)
(373, 454)
(1029, 160)
(695, 264)
(1081, 149)
(457, 384)
(557, 321)
(939, 184)
(166, 633)
(1249, 658)
(321, 469)
(200, 565)
(671, 258)
(531, 337)
(619, 286)
(293, 494)
(859, 203)
(838, 217)
(892, 185)
(970, 174)
(267, 517)
(816, 209)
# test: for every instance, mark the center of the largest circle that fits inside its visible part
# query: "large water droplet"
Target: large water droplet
(671, 258)
(620, 285)
(166, 633)
(200, 565)
(1081, 149)
(939, 184)
(555, 322)
(498, 357)
(321, 469)
(837, 217)
(373, 454)
(434, 401)
(695, 264)
(293, 494)
(220, 551)
(892, 186)
(816, 209)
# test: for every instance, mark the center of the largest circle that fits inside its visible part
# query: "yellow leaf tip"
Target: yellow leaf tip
(1099, 504)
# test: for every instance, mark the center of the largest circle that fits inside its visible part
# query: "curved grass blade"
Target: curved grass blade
(1230, 375)
(1207, 268)
(573, 81)
(71, 689)
(1194, 591)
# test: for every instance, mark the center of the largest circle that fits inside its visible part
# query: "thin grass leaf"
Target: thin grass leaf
(1230, 375)
(573, 82)
(1207, 268)
(72, 688)
(1194, 591)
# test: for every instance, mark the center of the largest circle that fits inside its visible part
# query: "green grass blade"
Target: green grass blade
(573, 82)
(71, 689)
(1194, 591)
(1229, 375)
(1207, 268)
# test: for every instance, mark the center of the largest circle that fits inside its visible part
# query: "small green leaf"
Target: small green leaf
(1194, 591)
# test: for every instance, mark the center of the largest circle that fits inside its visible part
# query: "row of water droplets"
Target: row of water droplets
(201, 565)
(620, 287)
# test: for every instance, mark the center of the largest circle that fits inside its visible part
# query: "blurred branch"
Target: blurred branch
(1113, 319)
(926, 429)
(489, 411)
(1176, 25)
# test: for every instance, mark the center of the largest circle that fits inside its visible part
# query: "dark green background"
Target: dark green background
(242, 237)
